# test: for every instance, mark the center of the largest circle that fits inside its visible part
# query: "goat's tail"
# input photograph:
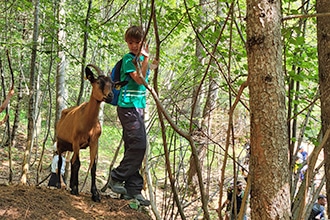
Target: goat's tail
(98, 70)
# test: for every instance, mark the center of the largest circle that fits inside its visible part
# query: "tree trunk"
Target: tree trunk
(323, 46)
(84, 55)
(269, 165)
(196, 115)
(31, 111)
(19, 89)
(61, 94)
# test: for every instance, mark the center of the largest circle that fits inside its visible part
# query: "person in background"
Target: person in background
(239, 199)
(304, 153)
(318, 208)
(53, 181)
(301, 162)
(126, 178)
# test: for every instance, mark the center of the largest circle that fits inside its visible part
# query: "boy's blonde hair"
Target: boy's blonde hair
(135, 33)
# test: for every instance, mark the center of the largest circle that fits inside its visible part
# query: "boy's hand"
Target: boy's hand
(145, 50)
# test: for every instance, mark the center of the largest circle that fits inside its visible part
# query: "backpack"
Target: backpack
(115, 77)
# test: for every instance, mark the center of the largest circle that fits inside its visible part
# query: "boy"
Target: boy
(126, 178)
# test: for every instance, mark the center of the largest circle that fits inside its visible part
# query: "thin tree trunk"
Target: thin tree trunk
(293, 104)
(269, 165)
(61, 92)
(49, 102)
(83, 62)
(196, 115)
(192, 178)
(19, 89)
(31, 111)
(323, 46)
(8, 124)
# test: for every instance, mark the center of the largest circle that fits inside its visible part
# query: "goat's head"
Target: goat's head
(102, 85)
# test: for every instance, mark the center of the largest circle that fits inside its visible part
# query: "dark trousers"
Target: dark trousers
(135, 142)
(53, 181)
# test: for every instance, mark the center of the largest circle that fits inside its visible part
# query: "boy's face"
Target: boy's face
(133, 45)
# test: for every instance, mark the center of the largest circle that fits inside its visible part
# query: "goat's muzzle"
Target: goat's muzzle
(108, 99)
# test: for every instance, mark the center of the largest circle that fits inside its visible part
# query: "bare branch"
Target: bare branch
(301, 16)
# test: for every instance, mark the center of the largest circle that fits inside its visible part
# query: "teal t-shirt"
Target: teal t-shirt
(133, 94)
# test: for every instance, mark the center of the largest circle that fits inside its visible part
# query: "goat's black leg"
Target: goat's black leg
(94, 191)
(59, 166)
(74, 176)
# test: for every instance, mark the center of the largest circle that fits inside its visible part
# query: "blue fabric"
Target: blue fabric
(318, 210)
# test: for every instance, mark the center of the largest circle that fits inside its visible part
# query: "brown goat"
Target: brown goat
(79, 127)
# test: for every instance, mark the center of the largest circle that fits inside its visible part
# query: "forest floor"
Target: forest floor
(37, 201)
(32, 202)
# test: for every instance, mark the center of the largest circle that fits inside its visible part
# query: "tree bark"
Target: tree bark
(196, 115)
(269, 165)
(323, 46)
(84, 55)
(61, 94)
(31, 111)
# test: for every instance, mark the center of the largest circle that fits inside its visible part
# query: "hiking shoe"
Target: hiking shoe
(117, 187)
(138, 197)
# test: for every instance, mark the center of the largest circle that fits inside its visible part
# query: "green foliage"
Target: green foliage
(299, 37)
(182, 69)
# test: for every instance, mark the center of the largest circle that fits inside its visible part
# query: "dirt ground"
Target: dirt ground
(31, 202)
(41, 202)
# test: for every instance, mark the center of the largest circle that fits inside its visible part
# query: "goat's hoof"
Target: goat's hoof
(96, 198)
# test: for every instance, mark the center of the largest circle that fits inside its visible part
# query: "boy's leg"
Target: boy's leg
(134, 136)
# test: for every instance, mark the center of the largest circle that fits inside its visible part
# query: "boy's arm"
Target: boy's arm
(144, 66)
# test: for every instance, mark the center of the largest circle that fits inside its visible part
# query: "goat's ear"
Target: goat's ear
(89, 74)
(120, 84)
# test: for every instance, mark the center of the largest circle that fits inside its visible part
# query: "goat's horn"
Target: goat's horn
(98, 70)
